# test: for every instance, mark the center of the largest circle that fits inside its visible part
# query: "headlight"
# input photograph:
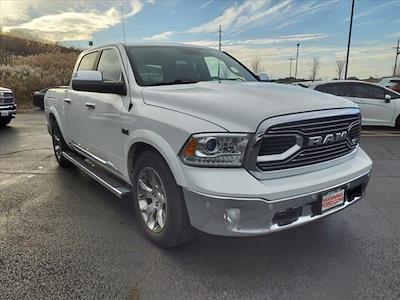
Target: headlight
(215, 150)
(1, 94)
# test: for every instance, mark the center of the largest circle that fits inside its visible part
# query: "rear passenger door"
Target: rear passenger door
(371, 100)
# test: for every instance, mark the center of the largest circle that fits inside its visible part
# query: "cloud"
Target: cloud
(69, 20)
(366, 60)
(248, 14)
(160, 37)
(263, 41)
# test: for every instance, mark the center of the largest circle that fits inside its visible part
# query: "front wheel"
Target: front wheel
(159, 202)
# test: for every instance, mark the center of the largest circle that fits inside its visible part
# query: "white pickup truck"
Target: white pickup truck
(8, 108)
(196, 141)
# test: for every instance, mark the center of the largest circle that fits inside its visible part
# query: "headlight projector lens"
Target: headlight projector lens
(212, 145)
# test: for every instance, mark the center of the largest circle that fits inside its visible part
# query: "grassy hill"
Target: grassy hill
(27, 66)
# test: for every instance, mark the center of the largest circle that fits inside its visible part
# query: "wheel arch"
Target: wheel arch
(143, 140)
(55, 117)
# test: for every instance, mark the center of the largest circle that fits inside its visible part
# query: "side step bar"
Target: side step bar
(116, 186)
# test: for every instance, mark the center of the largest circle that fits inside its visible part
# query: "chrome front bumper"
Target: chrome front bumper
(8, 110)
(228, 216)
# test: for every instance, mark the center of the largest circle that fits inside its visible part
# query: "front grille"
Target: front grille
(309, 153)
(276, 144)
(8, 98)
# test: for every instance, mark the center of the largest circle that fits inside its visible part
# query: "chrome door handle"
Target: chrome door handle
(90, 105)
(66, 100)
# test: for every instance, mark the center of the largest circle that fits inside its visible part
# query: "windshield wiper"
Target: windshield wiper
(230, 79)
(178, 81)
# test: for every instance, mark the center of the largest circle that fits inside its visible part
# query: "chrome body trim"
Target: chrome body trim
(118, 191)
(208, 213)
(254, 145)
(289, 152)
(109, 166)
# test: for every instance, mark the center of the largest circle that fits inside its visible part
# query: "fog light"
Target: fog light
(232, 217)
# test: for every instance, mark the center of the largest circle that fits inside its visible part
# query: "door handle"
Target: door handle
(90, 105)
(66, 100)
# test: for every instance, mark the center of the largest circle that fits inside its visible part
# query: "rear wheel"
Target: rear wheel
(159, 202)
(398, 122)
(5, 121)
(59, 146)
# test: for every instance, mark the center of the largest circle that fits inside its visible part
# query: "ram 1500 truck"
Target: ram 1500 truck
(8, 108)
(196, 141)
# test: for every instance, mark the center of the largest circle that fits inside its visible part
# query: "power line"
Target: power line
(348, 43)
(123, 23)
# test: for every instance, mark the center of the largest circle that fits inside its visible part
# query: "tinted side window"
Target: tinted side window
(327, 88)
(110, 66)
(369, 91)
(337, 89)
(87, 62)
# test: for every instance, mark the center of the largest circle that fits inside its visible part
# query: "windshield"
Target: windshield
(162, 65)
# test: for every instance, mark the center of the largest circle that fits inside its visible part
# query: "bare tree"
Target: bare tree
(340, 63)
(315, 65)
(256, 65)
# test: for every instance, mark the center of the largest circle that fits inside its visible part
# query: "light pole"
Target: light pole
(297, 59)
(348, 43)
(290, 68)
(395, 60)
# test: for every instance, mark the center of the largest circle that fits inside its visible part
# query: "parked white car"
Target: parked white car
(389, 82)
(379, 106)
(195, 140)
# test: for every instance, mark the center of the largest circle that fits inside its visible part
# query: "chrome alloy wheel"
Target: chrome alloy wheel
(152, 199)
(57, 143)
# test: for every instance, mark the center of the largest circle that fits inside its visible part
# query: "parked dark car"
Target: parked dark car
(38, 96)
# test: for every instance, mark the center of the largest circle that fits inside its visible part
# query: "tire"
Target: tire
(59, 146)
(397, 125)
(175, 229)
(5, 121)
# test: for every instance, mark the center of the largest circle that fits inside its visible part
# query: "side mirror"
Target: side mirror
(92, 81)
(264, 77)
(388, 98)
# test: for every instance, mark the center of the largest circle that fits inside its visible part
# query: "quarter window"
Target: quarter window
(109, 65)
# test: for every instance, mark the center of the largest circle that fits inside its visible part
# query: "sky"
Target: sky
(265, 29)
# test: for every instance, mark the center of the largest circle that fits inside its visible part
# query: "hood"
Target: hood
(240, 107)
(5, 90)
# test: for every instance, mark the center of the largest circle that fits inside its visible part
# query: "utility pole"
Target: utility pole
(123, 23)
(348, 43)
(297, 59)
(395, 61)
(290, 68)
(220, 36)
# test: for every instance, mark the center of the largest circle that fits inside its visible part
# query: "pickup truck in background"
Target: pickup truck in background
(8, 108)
(196, 141)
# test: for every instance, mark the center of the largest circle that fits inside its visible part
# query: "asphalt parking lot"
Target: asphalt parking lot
(62, 235)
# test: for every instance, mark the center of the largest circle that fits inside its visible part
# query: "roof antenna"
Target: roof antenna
(123, 22)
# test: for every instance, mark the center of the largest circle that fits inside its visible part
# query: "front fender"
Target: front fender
(158, 142)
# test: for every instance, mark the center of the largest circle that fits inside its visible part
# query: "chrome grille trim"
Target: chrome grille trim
(308, 158)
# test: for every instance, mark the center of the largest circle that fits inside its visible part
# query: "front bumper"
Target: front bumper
(8, 110)
(229, 216)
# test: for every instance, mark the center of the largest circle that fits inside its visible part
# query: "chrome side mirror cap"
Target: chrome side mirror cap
(88, 76)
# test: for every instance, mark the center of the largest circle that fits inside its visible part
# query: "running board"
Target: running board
(116, 186)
